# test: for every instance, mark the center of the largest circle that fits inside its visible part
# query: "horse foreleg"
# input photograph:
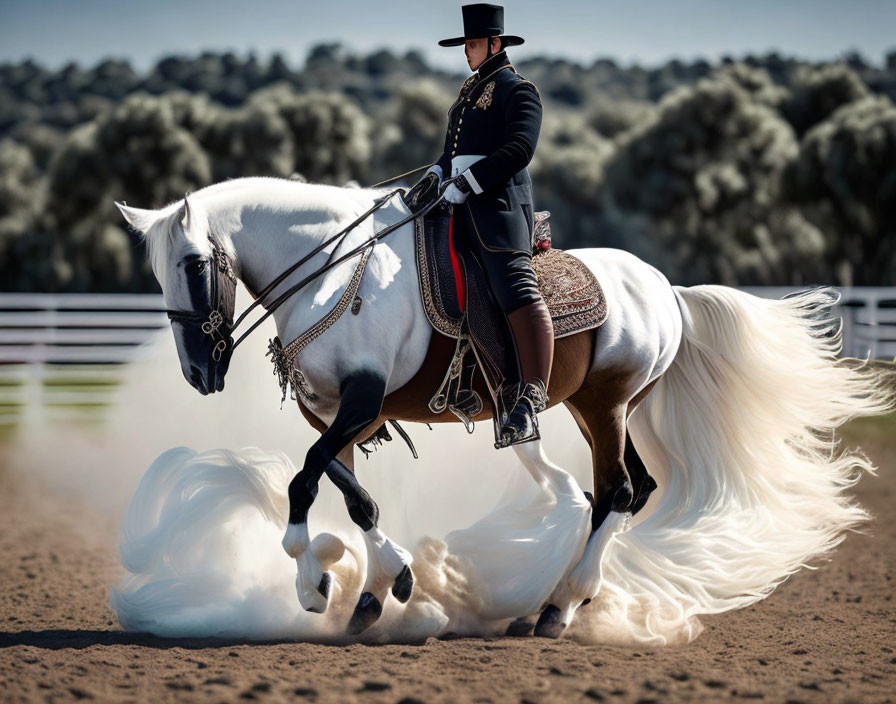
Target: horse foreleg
(313, 585)
(361, 398)
(388, 564)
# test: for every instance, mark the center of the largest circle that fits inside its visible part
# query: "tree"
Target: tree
(137, 153)
(250, 141)
(411, 131)
(755, 81)
(19, 204)
(330, 135)
(845, 179)
(818, 92)
(568, 177)
(702, 184)
(611, 118)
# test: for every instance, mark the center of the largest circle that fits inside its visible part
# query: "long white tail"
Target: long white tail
(740, 435)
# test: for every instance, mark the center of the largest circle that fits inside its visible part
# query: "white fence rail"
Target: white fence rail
(85, 328)
(61, 355)
(868, 314)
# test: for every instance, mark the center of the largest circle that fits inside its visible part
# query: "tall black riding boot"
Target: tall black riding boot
(533, 332)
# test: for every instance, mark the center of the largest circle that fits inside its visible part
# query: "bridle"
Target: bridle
(218, 322)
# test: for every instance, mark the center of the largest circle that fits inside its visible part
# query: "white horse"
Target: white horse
(737, 395)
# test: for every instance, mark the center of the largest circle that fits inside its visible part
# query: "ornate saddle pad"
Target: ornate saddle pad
(572, 293)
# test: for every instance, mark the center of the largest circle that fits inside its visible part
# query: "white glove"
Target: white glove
(458, 190)
(453, 195)
(437, 170)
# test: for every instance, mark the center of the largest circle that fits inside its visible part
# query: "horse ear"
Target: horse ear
(187, 215)
(138, 218)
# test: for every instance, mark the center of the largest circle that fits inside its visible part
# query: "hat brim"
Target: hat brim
(509, 40)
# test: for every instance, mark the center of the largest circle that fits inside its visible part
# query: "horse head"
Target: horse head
(198, 283)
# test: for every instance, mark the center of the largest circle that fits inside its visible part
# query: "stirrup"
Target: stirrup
(521, 424)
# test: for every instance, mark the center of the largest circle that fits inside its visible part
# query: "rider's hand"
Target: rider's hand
(437, 170)
(458, 190)
(426, 190)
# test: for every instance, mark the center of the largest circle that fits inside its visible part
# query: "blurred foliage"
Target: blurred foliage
(706, 176)
(845, 180)
(763, 170)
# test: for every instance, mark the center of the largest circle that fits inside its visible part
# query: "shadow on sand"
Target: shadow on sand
(78, 639)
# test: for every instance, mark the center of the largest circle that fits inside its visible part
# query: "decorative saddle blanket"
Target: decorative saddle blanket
(484, 339)
(571, 292)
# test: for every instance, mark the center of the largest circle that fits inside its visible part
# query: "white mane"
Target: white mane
(220, 209)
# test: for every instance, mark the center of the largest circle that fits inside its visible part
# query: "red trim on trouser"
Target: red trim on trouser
(459, 285)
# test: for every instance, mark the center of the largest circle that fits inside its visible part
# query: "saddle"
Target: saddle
(459, 304)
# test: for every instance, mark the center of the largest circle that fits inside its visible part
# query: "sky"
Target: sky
(648, 32)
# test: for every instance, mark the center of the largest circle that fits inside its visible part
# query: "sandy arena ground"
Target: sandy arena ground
(826, 635)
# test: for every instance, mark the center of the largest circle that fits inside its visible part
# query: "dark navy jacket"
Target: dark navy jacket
(497, 115)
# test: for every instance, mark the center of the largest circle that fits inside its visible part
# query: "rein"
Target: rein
(219, 324)
(259, 299)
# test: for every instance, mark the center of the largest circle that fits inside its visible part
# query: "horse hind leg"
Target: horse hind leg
(601, 415)
(567, 518)
(607, 519)
(643, 484)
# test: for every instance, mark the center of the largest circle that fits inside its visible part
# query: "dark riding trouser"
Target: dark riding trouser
(510, 275)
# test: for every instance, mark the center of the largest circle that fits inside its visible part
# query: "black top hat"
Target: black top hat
(480, 21)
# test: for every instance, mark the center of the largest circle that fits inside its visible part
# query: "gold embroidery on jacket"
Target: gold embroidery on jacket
(486, 98)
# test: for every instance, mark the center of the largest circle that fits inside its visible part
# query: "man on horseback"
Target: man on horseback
(493, 128)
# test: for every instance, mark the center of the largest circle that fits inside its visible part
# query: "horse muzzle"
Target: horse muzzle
(208, 377)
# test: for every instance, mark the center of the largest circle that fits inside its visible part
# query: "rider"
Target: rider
(492, 132)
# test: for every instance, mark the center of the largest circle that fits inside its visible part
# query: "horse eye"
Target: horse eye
(195, 268)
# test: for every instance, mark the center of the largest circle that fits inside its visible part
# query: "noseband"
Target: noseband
(217, 322)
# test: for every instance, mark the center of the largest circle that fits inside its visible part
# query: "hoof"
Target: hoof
(404, 585)
(368, 610)
(326, 581)
(519, 629)
(315, 600)
(549, 623)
